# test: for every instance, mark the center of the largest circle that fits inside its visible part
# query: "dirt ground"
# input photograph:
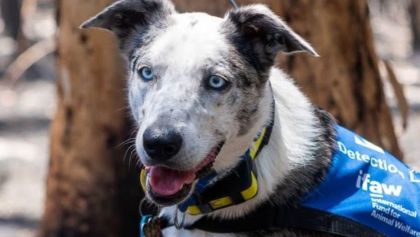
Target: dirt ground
(25, 114)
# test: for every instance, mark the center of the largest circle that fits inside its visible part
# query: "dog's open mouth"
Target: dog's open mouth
(168, 186)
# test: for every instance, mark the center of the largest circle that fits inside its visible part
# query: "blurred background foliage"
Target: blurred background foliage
(27, 96)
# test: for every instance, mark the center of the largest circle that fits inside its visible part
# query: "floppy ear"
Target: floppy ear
(260, 34)
(127, 18)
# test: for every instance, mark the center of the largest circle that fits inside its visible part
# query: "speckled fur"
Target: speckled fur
(184, 50)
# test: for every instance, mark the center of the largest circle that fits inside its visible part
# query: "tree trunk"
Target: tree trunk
(90, 190)
(414, 10)
(345, 80)
(10, 12)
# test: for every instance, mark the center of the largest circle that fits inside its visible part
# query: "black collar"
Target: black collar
(269, 217)
(236, 187)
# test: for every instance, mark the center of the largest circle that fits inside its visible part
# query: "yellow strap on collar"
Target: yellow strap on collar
(219, 203)
(222, 202)
(256, 146)
(143, 177)
(247, 194)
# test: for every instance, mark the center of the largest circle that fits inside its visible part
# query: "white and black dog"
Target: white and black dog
(201, 89)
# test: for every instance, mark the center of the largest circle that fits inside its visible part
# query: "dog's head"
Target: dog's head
(195, 82)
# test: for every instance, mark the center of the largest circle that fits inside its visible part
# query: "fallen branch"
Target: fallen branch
(29, 57)
(399, 94)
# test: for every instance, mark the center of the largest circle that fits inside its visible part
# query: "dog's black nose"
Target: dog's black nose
(161, 143)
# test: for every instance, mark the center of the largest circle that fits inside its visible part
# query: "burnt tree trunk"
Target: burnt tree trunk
(345, 80)
(90, 189)
(10, 12)
(414, 10)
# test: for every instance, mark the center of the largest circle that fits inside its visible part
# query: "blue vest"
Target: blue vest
(369, 186)
(367, 192)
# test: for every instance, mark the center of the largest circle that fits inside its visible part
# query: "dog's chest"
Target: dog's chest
(173, 232)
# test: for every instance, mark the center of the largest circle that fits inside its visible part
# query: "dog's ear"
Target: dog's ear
(258, 31)
(128, 17)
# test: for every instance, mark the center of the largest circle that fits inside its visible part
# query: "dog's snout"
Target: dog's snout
(161, 143)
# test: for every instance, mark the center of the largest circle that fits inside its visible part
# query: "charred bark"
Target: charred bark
(414, 11)
(90, 189)
(10, 12)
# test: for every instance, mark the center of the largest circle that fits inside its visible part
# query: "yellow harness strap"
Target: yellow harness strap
(246, 194)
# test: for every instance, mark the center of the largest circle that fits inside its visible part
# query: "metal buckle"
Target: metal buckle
(150, 226)
(179, 225)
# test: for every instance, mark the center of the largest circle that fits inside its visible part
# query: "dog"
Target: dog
(202, 90)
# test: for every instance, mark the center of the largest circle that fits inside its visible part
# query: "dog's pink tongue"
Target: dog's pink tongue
(167, 182)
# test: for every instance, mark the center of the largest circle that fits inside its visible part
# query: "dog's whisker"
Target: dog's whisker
(128, 152)
(126, 142)
(132, 156)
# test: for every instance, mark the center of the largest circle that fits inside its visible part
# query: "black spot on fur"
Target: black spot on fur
(232, 100)
(246, 118)
(194, 22)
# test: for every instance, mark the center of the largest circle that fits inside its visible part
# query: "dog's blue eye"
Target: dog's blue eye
(217, 83)
(146, 73)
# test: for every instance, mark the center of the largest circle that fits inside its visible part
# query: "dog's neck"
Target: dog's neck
(292, 145)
